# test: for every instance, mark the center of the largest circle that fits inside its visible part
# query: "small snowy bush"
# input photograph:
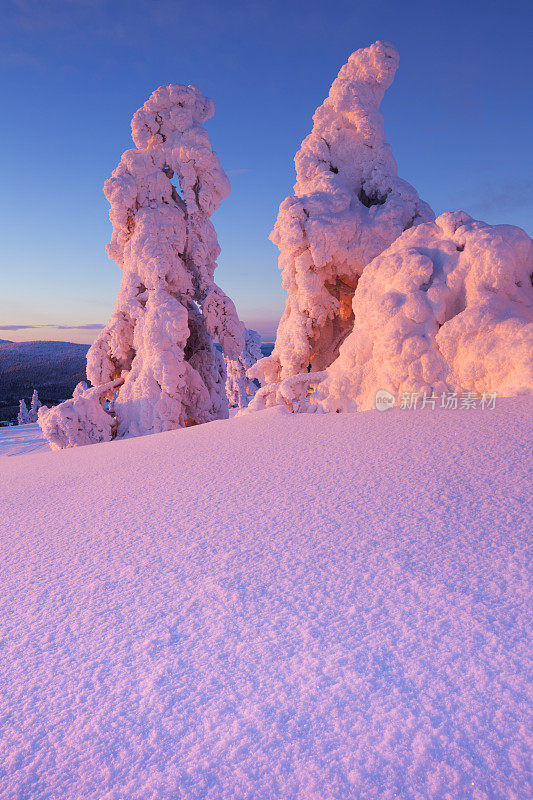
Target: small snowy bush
(239, 387)
(293, 393)
(80, 420)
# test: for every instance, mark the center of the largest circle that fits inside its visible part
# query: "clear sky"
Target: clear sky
(458, 116)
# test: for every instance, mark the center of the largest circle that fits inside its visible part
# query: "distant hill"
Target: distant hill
(53, 368)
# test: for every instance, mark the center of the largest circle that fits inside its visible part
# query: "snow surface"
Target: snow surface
(273, 606)
(19, 440)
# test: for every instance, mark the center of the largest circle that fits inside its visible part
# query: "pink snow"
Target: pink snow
(273, 606)
(19, 440)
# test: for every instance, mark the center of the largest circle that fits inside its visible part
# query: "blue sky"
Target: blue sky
(458, 116)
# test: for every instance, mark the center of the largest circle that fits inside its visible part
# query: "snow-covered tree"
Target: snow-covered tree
(80, 420)
(35, 406)
(159, 342)
(239, 387)
(23, 417)
(447, 307)
(293, 393)
(348, 206)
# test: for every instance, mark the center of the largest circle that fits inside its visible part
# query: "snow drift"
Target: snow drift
(159, 341)
(278, 606)
(348, 205)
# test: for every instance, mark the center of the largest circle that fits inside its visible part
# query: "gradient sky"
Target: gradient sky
(458, 116)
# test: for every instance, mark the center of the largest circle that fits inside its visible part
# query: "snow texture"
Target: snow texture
(348, 205)
(449, 306)
(205, 613)
(239, 388)
(17, 441)
(159, 339)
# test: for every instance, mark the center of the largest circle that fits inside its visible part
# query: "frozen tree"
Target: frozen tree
(23, 417)
(293, 393)
(80, 420)
(448, 307)
(239, 388)
(348, 206)
(35, 406)
(160, 339)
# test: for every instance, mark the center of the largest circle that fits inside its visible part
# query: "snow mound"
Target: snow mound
(348, 205)
(449, 306)
(197, 614)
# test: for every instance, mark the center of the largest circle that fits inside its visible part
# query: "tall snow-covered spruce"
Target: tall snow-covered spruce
(157, 353)
(35, 406)
(348, 206)
(23, 417)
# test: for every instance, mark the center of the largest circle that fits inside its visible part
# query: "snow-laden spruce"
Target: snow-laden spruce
(239, 387)
(23, 417)
(348, 206)
(157, 351)
(447, 307)
(35, 406)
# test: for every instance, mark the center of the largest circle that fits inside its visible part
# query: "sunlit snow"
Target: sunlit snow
(273, 606)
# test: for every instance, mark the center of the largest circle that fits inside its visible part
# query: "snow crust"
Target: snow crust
(448, 306)
(348, 205)
(159, 340)
(205, 613)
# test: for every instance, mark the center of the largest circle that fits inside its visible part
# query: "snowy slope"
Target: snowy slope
(19, 440)
(275, 606)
